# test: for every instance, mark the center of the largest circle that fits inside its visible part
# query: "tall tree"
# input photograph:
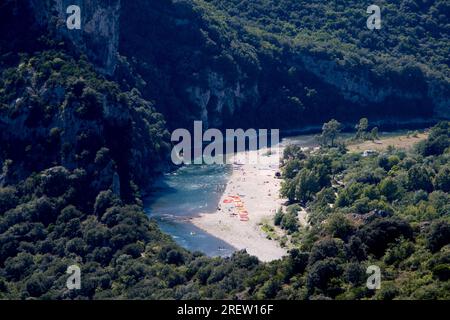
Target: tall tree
(330, 132)
(375, 133)
(361, 128)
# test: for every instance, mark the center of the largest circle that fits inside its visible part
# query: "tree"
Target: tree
(288, 190)
(291, 168)
(442, 180)
(378, 234)
(307, 185)
(293, 152)
(361, 128)
(38, 284)
(8, 199)
(19, 267)
(326, 248)
(374, 133)
(438, 236)
(321, 273)
(338, 226)
(389, 188)
(355, 274)
(104, 201)
(419, 178)
(330, 132)
(298, 260)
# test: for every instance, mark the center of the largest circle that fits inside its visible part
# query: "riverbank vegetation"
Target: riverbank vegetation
(389, 209)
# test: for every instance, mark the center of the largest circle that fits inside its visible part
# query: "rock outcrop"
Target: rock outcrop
(99, 33)
(78, 120)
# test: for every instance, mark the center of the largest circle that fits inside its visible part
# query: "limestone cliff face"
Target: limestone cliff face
(215, 98)
(99, 33)
(358, 85)
(194, 72)
(77, 120)
(189, 69)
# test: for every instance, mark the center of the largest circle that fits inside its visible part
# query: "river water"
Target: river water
(185, 193)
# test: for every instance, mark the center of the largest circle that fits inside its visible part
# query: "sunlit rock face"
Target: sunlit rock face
(99, 33)
(361, 86)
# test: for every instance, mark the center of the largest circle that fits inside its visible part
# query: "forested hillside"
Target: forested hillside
(412, 31)
(254, 62)
(251, 63)
(74, 150)
(389, 210)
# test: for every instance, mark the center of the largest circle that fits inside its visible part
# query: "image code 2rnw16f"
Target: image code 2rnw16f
(228, 156)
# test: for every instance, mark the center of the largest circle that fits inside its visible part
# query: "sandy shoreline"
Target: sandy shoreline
(252, 191)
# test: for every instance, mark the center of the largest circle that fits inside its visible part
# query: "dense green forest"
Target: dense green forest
(390, 210)
(413, 32)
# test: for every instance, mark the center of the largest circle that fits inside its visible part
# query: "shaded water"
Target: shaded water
(183, 194)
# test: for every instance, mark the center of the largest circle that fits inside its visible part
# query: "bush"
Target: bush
(278, 217)
(289, 221)
(442, 180)
(338, 226)
(8, 199)
(438, 236)
(419, 178)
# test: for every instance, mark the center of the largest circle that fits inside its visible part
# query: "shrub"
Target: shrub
(442, 180)
(8, 199)
(438, 236)
(338, 226)
(419, 178)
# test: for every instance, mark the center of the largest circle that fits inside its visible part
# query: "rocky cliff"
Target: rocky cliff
(99, 33)
(198, 64)
(56, 111)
